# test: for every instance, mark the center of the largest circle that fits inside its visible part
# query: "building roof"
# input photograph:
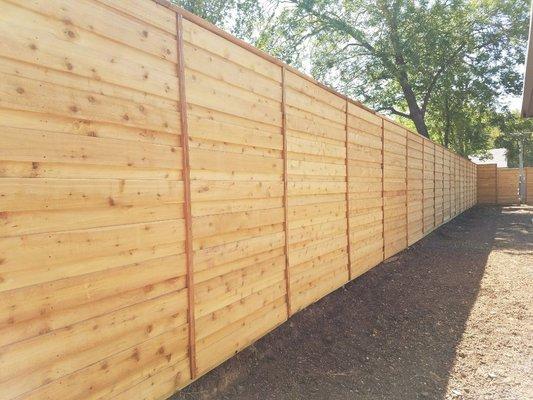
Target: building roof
(496, 156)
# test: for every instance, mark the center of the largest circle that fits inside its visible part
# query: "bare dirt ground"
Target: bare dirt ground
(449, 318)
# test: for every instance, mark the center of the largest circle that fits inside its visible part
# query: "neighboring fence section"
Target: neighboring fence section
(501, 185)
(529, 185)
(508, 186)
(487, 184)
(168, 195)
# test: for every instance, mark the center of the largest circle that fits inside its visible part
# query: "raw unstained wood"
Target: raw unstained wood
(498, 185)
(529, 185)
(168, 195)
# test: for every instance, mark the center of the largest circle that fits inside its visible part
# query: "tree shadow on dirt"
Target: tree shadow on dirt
(390, 334)
(515, 237)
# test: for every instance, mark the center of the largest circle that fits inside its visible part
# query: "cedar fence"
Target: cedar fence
(529, 185)
(501, 185)
(169, 195)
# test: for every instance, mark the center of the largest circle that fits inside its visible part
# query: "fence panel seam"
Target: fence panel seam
(497, 191)
(285, 192)
(186, 168)
(224, 268)
(349, 248)
(423, 187)
(383, 186)
(406, 189)
(434, 187)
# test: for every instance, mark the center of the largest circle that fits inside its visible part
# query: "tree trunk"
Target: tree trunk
(420, 123)
(416, 113)
(399, 69)
(447, 136)
(448, 126)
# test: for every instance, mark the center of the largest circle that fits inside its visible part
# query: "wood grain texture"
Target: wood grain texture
(507, 181)
(429, 186)
(394, 189)
(415, 185)
(237, 194)
(168, 195)
(529, 185)
(186, 168)
(365, 178)
(486, 184)
(318, 243)
(494, 185)
(93, 281)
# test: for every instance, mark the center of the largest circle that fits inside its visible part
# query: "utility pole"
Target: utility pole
(520, 138)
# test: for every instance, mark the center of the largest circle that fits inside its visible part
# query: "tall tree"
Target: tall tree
(243, 18)
(514, 132)
(439, 65)
(396, 54)
(461, 113)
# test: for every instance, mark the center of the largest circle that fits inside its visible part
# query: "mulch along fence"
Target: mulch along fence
(169, 194)
(501, 185)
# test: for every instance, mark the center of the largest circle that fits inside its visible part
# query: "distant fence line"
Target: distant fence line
(168, 195)
(501, 185)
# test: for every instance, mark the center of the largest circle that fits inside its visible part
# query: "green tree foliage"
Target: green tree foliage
(512, 130)
(398, 55)
(461, 113)
(243, 18)
(440, 65)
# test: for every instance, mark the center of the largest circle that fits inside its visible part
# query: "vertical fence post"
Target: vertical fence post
(526, 199)
(187, 196)
(434, 187)
(452, 179)
(458, 199)
(496, 183)
(474, 177)
(457, 185)
(463, 197)
(450, 183)
(423, 186)
(349, 247)
(383, 186)
(460, 185)
(442, 194)
(406, 188)
(458, 189)
(285, 192)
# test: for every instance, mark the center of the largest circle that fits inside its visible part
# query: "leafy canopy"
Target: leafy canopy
(242, 18)
(513, 131)
(440, 65)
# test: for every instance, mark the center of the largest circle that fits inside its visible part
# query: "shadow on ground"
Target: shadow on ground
(391, 334)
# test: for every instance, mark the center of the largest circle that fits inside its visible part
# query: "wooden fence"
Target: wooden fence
(529, 185)
(486, 184)
(501, 185)
(169, 194)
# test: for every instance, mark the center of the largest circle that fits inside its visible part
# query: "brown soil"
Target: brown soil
(450, 317)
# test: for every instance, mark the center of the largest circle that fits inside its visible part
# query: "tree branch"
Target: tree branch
(337, 24)
(438, 74)
(394, 111)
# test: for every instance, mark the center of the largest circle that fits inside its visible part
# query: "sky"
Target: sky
(514, 102)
